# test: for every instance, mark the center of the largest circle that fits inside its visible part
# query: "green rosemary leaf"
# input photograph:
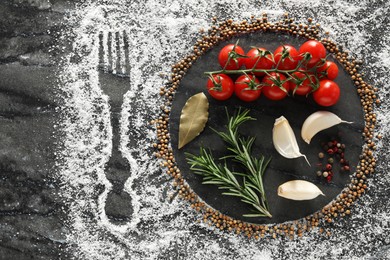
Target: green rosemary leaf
(253, 186)
(252, 194)
(241, 151)
(213, 182)
(232, 194)
(248, 201)
(224, 187)
(264, 166)
(240, 174)
(231, 177)
(250, 190)
(254, 215)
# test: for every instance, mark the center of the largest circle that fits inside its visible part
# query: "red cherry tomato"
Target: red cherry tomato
(221, 88)
(258, 57)
(301, 83)
(271, 90)
(328, 70)
(247, 88)
(327, 94)
(235, 61)
(316, 49)
(287, 57)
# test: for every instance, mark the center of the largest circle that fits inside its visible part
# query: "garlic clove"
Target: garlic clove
(299, 190)
(284, 139)
(317, 122)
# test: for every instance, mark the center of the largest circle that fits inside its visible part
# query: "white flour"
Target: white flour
(158, 229)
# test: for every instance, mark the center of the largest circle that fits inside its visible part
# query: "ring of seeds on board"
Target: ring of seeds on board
(342, 205)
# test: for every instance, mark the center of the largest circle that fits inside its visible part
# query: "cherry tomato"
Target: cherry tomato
(301, 83)
(258, 57)
(287, 56)
(328, 70)
(327, 94)
(247, 88)
(221, 88)
(316, 49)
(235, 61)
(271, 90)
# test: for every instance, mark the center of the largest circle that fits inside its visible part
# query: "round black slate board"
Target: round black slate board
(280, 170)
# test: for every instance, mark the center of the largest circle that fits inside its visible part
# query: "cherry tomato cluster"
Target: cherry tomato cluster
(275, 75)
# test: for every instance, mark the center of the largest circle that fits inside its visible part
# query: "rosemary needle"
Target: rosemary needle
(250, 189)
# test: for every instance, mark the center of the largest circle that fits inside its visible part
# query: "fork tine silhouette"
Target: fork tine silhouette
(126, 55)
(114, 74)
(114, 53)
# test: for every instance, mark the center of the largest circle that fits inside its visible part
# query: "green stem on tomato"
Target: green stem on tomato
(305, 58)
(243, 71)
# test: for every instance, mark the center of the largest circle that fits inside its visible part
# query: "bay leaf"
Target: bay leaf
(193, 118)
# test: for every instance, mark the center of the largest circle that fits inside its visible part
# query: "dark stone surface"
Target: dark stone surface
(32, 213)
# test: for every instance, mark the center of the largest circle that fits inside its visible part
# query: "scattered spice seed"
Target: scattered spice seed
(334, 149)
(341, 206)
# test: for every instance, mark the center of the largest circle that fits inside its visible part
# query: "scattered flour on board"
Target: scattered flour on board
(161, 33)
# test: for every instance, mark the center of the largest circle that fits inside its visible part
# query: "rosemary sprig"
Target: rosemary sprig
(251, 185)
(241, 149)
(220, 175)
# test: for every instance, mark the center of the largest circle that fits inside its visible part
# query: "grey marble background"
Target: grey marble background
(32, 215)
(38, 222)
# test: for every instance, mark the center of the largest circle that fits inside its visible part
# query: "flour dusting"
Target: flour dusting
(161, 32)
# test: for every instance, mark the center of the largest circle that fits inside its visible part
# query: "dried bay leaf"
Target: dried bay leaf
(193, 118)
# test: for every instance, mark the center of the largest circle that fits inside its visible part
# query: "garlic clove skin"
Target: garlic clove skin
(317, 122)
(284, 139)
(299, 190)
